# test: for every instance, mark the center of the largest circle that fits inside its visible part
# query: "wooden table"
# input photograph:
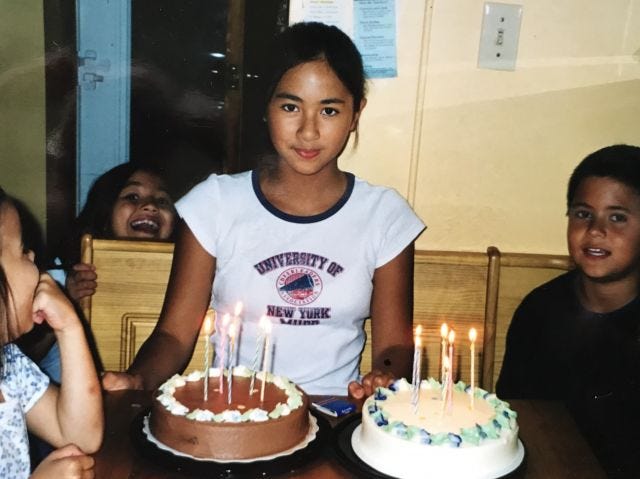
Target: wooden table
(553, 445)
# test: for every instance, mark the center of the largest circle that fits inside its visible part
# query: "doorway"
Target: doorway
(195, 94)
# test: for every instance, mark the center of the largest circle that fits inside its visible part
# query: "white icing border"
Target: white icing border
(175, 407)
(402, 469)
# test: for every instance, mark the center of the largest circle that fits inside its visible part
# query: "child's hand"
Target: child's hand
(51, 305)
(68, 462)
(81, 281)
(114, 381)
(370, 382)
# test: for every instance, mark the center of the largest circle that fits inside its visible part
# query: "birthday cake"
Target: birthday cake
(229, 427)
(436, 438)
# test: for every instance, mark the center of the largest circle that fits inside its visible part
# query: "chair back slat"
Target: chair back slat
(132, 281)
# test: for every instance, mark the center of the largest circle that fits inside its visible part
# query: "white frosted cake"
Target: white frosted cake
(435, 441)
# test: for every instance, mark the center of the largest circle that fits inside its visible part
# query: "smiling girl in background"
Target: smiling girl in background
(314, 248)
(126, 202)
(71, 414)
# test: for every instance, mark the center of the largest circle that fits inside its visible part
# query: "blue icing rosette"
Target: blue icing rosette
(419, 435)
(380, 394)
(454, 439)
(380, 419)
(399, 429)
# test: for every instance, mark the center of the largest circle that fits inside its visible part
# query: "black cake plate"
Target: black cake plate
(230, 470)
(350, 460)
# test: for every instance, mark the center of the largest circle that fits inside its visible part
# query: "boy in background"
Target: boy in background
(577, 337)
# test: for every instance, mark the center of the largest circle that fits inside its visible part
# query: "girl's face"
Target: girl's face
(21, 272)
(310, 116)
(143, 209)
(604, 230)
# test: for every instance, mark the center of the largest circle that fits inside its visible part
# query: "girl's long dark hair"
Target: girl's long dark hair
(4, 292)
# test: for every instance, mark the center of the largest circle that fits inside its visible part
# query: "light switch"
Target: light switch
(499, 37)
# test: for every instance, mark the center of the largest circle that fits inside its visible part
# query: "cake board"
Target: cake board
(343, 434)
(229, 470)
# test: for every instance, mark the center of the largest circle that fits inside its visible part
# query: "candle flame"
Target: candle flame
(418, 341)
(209, 320)
(418, 331)
(207, 325)
(444, 330)
(238, 309)
(225, 320)
(267, 326)
(232, 330)
(473, 334)
(452, 336)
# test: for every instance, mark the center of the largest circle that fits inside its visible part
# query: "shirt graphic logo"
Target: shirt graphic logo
(299, 286)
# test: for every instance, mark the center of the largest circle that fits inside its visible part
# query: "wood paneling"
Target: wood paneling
(132, 280)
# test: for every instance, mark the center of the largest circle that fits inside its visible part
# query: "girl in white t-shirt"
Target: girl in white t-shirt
(310, 246)
(70, 417)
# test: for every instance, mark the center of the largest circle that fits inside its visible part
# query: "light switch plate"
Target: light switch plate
(500, 35)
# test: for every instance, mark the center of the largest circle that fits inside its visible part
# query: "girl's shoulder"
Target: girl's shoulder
(374, 189)
(378, 195)
(12, 355)
(21, 377)
(216, 185)
(16, 362)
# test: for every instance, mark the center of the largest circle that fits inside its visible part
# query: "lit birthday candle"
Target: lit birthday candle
(237, 311)
(445, 387)
(262, 326)
(266, 357)
(223, 346)
(232, 342)
(444, 331)
(209, 319)
(451, 339)
(473, 334)
(417, 359)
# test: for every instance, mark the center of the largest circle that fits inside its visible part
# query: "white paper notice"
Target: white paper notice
(374, 28)
(331, 12)
(370, 23)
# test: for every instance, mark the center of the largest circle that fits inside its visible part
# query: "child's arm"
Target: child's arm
(170, 346)
(73, 412)
(391, 323)
(66, 462)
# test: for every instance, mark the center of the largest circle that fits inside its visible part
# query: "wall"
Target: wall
(22, 115)
(482, 155)
(485, 155)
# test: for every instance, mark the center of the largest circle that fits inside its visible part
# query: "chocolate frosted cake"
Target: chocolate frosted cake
(214, 429)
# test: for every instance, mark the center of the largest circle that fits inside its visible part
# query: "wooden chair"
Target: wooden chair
(132, 280)
(519, 273)
(458, 288)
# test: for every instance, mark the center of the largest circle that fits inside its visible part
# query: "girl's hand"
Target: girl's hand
(51, 305)
(81, 281)
(114, 381)
(68, 462)
(370, 382)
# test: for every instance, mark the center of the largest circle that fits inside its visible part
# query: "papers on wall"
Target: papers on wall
(370, 23)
